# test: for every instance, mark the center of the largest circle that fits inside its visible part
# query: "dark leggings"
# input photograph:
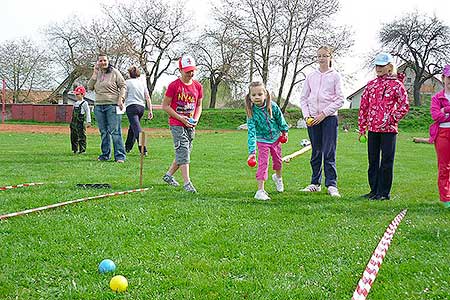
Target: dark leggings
(134, 114)
(381, 171)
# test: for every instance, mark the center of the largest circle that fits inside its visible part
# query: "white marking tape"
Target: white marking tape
(24, 212)
(4, 188)
(374, 264)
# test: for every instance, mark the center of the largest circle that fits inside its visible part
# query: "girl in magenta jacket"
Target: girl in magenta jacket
(320, 100)
(440, 136)
(384, 103)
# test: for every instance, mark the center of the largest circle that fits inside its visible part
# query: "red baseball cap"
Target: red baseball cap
(79, 90)
(186, 63)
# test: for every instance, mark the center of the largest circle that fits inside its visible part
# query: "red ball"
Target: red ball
(283, 139)
(251, 162)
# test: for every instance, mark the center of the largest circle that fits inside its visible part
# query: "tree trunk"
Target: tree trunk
(214, 88)
(150, 84)
(417, 85)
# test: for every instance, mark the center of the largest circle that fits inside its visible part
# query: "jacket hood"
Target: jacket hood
(400, 76)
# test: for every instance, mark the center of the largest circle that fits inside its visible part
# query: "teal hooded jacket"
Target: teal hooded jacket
(264, 129)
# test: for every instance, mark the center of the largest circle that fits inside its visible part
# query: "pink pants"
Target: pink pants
(442, 145)
(263, 158)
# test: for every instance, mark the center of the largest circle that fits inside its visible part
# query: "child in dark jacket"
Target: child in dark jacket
(80, 114)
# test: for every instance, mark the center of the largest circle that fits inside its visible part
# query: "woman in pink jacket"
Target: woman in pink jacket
(320, 100)
(440, 136)
(383, 103)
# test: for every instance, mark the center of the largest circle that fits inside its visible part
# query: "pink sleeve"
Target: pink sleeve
(436, 113)
(403, 103)
(363, 110)
(304, 98)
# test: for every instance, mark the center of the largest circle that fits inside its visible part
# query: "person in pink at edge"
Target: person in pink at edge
(183, 104)
(440, 136)
(321, 98)
(266, 124)
(384, 103)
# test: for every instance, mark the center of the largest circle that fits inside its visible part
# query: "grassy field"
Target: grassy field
(219, 243)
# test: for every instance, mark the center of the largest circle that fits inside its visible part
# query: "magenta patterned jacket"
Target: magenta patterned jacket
(384, 103)
(438, 102)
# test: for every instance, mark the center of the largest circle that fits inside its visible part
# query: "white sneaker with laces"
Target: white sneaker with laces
(278, 182)
(312, 188)
(262, 195)
(333, 191)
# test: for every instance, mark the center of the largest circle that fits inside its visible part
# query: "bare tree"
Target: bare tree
(255, 22)
(67, 44)
(421, 41)
(75, 47)
(222, 62)
(23, 65)
(152, 31)
(283, 36)
(305, 26)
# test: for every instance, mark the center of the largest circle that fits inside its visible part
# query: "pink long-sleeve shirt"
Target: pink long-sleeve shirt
(322, 92)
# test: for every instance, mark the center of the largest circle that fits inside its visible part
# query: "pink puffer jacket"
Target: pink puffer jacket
(384, 103)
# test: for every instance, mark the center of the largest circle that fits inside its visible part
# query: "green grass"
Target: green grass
(220, 243)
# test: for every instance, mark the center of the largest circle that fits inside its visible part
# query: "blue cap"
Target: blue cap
(383, 59)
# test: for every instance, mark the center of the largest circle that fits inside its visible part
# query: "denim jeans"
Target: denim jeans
(110, 126)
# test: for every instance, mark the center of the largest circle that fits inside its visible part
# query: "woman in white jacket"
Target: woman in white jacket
(320, 100)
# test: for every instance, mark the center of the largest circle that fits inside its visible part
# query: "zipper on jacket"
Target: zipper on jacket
(268, 122)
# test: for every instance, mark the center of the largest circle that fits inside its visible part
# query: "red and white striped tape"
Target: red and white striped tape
(374, 264)
(24, 212)
(4, 188)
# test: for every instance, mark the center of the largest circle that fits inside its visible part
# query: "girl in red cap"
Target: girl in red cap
(440, 136)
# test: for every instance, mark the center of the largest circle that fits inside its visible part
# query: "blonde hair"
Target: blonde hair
(329, 50)
(249, 103)
(393, 69)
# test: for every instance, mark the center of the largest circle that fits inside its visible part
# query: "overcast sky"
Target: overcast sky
(26, 18)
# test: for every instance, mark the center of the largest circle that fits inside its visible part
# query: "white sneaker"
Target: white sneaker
(312, 188)
(262, 195)
(333, 191)
(278, 182)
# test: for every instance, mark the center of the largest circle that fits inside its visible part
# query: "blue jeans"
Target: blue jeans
(323, 141)
(110, 126)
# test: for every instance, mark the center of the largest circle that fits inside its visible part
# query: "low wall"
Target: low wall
(59, 113)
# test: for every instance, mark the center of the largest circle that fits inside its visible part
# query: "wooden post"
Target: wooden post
(3, 100)
(142, 144)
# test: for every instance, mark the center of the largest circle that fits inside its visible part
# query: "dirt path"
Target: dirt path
(92, 130)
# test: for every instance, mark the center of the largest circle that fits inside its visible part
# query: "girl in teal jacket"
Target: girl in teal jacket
(266, 129)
